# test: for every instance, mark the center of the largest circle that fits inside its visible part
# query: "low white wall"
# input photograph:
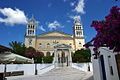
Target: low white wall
(29, 69)
(83, 66)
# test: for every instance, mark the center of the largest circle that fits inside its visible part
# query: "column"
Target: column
(56, 57)
(70, 57)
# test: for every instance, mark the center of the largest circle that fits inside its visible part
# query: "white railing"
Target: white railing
(83, 66)
(45, 69)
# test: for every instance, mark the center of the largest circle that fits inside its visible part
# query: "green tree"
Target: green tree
(18, 47)
(38, 57)
(81, 56)
(47, 59)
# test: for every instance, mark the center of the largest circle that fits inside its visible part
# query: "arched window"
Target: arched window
(80, 27)
(33, 32)
(48, 44)
(28, 32)
(40, 43)
(52, 54)
(30, 41)
(79, 42)
(48, 54)
(33, 26)
(28, 26)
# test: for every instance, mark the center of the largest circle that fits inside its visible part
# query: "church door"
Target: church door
(63, 59)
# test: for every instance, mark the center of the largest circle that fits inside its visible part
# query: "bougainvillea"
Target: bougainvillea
(32, 53)
(108, 31)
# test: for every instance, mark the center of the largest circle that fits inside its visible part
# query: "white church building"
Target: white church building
(55, 42)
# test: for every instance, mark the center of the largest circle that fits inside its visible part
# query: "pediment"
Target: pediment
(54, 34)
(62, 46)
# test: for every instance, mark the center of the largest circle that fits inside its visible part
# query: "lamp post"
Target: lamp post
(35, 67)
(88, 67)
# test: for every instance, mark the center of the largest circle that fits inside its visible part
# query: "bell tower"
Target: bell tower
(31, 27)
(78, 29)
(78, 35)
(30, 37)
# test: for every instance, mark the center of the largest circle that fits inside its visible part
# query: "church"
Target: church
(55, 42)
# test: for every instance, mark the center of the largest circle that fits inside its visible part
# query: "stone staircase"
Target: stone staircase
(63, 73)
(67, 73)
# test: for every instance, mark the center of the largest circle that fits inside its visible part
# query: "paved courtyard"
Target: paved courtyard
(66, 73)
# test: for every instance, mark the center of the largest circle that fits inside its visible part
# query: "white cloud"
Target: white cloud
(13, 16)
(79, 8)
(72, 3)
(41, 28)
(54, 25)
(75, 17)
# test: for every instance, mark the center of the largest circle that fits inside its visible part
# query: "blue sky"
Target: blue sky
(51, 15)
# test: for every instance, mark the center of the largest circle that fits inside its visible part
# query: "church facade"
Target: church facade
(46, 42)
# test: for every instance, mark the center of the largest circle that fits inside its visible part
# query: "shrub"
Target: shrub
(47, 59)
(81, 56)
(38, 60)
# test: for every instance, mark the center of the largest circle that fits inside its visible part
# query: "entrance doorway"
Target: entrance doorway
(62, 59)
(62, 55)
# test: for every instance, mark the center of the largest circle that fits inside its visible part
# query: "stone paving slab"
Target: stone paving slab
(66, 73)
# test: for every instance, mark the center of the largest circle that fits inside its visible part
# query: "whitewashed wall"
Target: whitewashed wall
(108, 61)
(29, 69)
(83, 66)
(97, 73)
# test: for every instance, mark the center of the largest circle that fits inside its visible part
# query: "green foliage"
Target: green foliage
(47, 59)
(18, 47)
(81, 56)
(38, 59)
